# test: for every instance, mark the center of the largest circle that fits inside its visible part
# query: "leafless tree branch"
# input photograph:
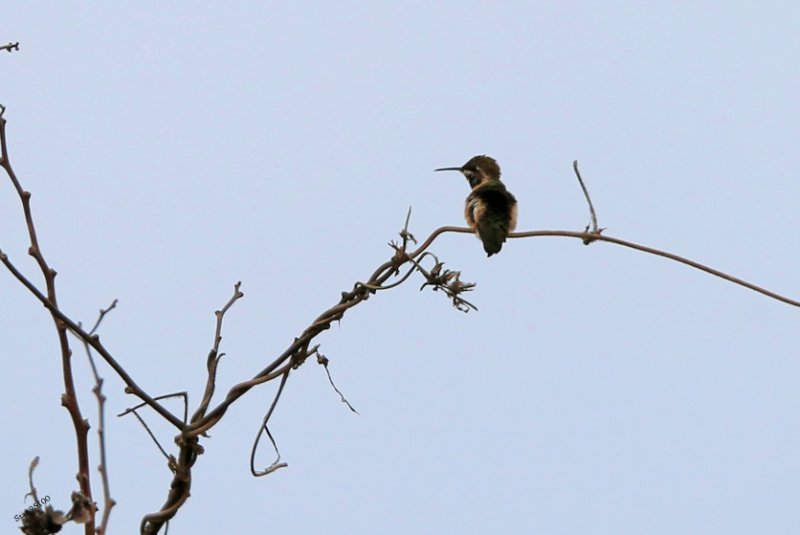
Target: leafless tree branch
(593, 225)
(214, 355)
(108, 501)
(69, 399)
(390, 274)
(323, 361)
(657, 252)
(181, 395)
(264, 429)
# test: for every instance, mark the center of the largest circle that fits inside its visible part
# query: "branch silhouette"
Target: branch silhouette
(399, 268)
(591, 236)
(69, 399)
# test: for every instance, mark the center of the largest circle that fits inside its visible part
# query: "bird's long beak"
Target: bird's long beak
(448, 169)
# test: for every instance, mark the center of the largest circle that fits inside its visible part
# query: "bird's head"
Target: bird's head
(477, 170)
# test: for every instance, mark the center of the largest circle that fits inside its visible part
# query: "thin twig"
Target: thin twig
(10, 46)
(323, 360)
(33, 494)
(264, 428)
(214, 355)
(152, 436)
(108, 501)
(102, 314)
(181, 395)
(405, 234)
(594, 228)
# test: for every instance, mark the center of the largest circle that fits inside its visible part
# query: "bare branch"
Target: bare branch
(108, 501)
(182, 395)
(166, 455)
(323, 360)
(657, 252)
(359, 293)
(405, 234)
(94, 341)
(69, 399)
(276, 464)
(594, 229)
(102, 314)
(214, 355)
(388, 275)
(33, 494)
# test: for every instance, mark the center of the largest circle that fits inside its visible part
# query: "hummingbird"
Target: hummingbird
(490, 209)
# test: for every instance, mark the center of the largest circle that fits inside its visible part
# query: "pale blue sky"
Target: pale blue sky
(173, 150)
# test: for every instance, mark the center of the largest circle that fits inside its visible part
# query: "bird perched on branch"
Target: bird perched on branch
(490, 209)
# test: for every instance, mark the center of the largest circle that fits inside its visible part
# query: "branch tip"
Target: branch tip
(588, 200)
